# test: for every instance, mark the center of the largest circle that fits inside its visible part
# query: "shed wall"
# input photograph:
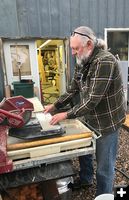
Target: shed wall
(57, 18)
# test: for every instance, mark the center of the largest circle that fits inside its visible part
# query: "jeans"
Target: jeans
(106, 150)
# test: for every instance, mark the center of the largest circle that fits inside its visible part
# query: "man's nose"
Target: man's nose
(74, 52)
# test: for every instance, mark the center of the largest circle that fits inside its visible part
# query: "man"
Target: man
(97, 80)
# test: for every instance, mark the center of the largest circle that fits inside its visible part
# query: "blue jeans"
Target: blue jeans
(106, 150)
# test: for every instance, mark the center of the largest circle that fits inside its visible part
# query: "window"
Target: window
(20, 59)
(118, 44)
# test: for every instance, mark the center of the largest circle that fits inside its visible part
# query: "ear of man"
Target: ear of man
(90, 44)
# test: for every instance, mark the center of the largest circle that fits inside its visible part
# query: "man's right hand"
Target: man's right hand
(49, 108)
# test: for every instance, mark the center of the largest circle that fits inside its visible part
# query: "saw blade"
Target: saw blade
(26, 116)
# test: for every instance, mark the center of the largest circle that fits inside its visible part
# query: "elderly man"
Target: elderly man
(97, 79)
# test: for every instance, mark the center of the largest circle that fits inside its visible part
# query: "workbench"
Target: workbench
(51, 159)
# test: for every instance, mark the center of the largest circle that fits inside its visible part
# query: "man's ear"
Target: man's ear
(89, 44)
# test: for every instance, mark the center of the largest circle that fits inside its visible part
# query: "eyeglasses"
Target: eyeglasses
(75, 32)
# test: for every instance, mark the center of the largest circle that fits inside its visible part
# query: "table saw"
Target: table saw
(33, 150)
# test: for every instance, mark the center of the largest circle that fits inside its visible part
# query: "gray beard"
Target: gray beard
(81, 61)
(84, 59)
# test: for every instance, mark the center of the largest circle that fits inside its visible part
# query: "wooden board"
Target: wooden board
(49, 149)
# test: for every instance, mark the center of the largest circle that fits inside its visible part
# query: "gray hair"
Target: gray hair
(87, 33)
(101, 44)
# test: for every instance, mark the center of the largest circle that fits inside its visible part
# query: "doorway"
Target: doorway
(44, 61)
(51, 55)
(20, 57)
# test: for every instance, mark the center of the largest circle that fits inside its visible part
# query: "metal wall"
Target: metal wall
(57, 18)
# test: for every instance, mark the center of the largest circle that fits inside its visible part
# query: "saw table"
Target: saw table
(77, 141)
(39, 155)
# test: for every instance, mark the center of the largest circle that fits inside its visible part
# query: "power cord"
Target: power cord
(124, 174)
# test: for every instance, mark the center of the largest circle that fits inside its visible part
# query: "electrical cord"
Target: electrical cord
(124, 174)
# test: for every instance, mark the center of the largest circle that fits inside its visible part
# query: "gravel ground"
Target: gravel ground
(121, 164)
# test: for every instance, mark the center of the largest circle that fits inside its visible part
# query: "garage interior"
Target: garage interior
(51, 68)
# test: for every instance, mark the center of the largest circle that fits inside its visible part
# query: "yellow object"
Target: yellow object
(41, 68)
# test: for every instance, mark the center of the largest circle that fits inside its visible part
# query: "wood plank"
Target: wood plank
(24, 145)
(49, 149)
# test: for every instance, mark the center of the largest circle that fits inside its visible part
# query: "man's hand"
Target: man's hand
(49, 108)
(58, 117)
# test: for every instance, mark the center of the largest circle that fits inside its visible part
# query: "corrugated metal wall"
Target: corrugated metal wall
(57, 18)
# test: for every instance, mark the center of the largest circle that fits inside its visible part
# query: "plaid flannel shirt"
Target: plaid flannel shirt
(100, 87)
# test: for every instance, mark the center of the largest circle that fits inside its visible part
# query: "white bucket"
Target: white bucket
(105, 197)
